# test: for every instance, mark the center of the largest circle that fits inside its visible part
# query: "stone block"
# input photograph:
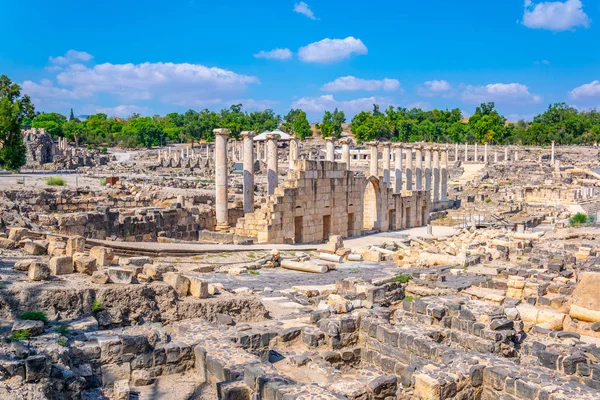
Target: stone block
(198, 287)
(7, 243)
(75, 244)
(180, 283)
(38, 271)
(156, 271)
(17, 234)
(34, 327)
(120, 275)
(23, 265)
(100, 277)
(112, 373)
(427, 387)
(37, 367)
(57, 248)
(85, 265)
(34, 248)
(121, 390)
(103, 255)
(61, 265)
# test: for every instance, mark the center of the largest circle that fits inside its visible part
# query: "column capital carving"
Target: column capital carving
(221, 132)
(248, 134)
(273, 136)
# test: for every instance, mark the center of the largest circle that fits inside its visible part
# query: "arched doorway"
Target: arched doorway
(372, 206)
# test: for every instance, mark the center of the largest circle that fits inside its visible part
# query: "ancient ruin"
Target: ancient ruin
(285, 269)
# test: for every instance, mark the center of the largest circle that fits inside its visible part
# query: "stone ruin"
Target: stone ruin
(287, 298)
(40, 147)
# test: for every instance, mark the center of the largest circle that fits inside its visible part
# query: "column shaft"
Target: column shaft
(444, 177)
(221, 168)
(248, 171)
(419, 168)
(436, 174)
(397, 168)
(272, 161)
(409, 168)
(428, 169)
(386, 163)
(330, 149)
(374, 170)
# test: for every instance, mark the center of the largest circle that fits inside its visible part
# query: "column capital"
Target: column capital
(248, 134)
(221, 132)
(273, 136)
(397, 145)
(345, 140)
(373, 143)
(386, 144)
(330, 139)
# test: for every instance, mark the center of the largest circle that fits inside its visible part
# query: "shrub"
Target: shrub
(55, 181)
(402, 278)
(103, 181)
(409, 299)
(104, 150)
(34, 316)
(97, 306)
(578, 219)
(253, 272)
(488, 200)
(22, 334)
(63, 329)
(62, 341)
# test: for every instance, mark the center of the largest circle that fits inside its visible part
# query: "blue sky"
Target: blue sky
(156, 56)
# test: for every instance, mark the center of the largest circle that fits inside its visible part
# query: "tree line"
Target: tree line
(559, 123)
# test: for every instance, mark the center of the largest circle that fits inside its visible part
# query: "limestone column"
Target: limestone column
(495, 156)
(466, 152)
(346, 152)
(436, 174)
(552, 155)
(428, 168)
(444, 175)
(386, 162)
(516, 155)
(373, 169)
(485, 153)
(272, 159)
(506, 153)
(476, 158)
(456, 152)
(409, 168)
(221, 167)
(397, 168)
(419, 167)
(248, 144)
(330, 149)
(293, 151)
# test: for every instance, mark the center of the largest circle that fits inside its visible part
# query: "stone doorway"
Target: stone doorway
(371, 206)
(298, 229)
(326, 226)
(392, 220)
(351, 225)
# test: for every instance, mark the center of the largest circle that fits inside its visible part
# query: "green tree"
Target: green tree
(51, 122)
(301, 127)
(71, 115)
(14, 108)
(141, 131)
(487, 125)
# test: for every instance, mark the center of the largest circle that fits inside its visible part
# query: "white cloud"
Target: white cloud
(555, 15)
(436, 88)
(303, 8)
(332, 50)
(501, 93)
(588, 90)
(328, 102)
(122, 110)
(279, 54)
(70, 56)
(180, 84)
(349, 83)
(420, 104)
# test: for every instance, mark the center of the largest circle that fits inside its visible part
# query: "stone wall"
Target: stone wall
(40, 147)
(322, 198)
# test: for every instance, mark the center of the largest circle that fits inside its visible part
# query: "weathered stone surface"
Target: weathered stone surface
(34, 249)
(100, 277)
(17, 234)
(34, 327)
(61, 265)
(120, 275)
(155, 271)
(7, 243)
(180, 283)
(23, 265)
(85, 265)
(198, 287)
(75, 244)
(37, 367)
(38, 271)
(103, 255)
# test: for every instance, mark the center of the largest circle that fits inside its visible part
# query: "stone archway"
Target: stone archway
(372, 205)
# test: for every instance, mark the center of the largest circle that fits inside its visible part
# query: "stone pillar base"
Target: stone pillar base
(222, 226)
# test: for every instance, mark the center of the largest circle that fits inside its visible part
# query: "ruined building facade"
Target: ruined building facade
(40, 147)
(323, 198)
